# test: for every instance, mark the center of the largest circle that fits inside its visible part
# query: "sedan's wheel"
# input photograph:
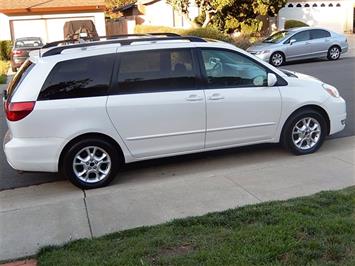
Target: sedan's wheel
(334, 53)
(91, 163)
(304, 132)
(277, 59)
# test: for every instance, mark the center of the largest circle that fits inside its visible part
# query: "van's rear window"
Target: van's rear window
(19, 77)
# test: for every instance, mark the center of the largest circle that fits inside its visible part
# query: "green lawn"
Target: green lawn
(316, 230)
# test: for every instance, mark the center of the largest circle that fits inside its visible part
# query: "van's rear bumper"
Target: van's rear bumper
(32, 154)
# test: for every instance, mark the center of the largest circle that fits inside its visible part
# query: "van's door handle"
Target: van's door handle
(194, 98)
(216, 97)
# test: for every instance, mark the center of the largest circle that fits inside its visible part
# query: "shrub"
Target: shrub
(199, 32)
(5, 50)
(294, 24)
(209, 33)
(4, 67)
(158, 29)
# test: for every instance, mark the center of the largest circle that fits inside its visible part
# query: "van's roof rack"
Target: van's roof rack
(108, 37)
(120, 39)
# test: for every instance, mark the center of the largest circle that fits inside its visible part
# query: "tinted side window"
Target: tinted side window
(156, 70)
(84, 77)
(226, 69)
(319, 34)
(302, 36)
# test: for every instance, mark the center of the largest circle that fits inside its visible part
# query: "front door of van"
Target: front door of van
(241, 108)
(155, 105)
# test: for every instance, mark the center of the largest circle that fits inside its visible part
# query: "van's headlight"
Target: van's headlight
(331, 90)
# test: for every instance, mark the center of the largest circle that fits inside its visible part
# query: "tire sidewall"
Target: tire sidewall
(67, 165)
(287, 132)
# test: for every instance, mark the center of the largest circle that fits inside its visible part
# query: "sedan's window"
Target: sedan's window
(277, 37)
(302, 36)
(319, 34)
(84, 77)
(225, 69)
(155, 71)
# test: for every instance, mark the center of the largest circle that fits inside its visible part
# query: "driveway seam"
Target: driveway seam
(87, 215)
(347, 162)
(247, 191)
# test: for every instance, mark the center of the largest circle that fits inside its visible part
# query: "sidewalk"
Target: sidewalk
(147, 194)
(351, 41)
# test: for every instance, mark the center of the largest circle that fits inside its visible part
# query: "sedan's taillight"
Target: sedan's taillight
(18, 111)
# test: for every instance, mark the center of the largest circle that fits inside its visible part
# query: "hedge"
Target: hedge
(5, 50)
(295, 24)
(200, 32)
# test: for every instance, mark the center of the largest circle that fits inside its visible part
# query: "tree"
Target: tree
(245, 15)
(110, 4)
(230, 15)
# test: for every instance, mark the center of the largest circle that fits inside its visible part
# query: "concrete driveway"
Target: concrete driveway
(56, 213)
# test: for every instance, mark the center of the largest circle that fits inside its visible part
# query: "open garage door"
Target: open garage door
(49, 29)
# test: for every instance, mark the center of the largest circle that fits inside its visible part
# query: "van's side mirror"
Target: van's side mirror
(271, 80)
(292, 41)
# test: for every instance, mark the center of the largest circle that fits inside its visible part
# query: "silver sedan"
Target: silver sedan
(300, 43)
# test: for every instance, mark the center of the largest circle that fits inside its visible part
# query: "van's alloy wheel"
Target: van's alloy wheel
(304, 132)
(277, 59)
(91, 163)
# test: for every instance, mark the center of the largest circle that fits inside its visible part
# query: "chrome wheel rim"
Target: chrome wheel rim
(277, 59)
(334, 53)
(306, 133)
(92, 164)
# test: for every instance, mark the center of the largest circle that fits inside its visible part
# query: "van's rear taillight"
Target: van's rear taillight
(18, 111)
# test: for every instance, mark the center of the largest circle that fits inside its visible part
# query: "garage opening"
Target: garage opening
(354, 21)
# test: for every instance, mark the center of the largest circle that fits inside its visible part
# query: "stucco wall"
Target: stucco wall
(49, 27)
(336, 18)
(160, 13)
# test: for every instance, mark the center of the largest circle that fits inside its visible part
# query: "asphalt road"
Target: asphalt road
(340, 74)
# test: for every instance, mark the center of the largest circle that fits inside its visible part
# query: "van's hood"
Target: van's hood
(300, 76)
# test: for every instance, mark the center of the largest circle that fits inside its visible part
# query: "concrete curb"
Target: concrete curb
(55, 213)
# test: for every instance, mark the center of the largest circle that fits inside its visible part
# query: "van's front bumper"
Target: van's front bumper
(336, 109)
(32, 154)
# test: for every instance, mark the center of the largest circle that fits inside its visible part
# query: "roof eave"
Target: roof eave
(52, 10)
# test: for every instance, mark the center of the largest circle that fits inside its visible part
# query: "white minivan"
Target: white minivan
(85, 109)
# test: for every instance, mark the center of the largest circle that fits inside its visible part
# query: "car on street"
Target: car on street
(299, 44)
(86, 109)
(21, 49)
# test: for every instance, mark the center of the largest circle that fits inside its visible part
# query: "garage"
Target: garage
(333, 15)
(46, 19)
(49, 29)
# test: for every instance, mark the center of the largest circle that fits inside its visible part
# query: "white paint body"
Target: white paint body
(154, 125)
(48, 27)
(336, 18)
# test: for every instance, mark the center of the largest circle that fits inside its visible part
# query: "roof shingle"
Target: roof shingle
(35, 4)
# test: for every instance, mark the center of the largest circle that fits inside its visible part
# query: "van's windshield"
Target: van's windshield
(18, 78)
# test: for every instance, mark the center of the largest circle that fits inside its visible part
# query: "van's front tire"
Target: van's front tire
(91, 163)
(304, 132)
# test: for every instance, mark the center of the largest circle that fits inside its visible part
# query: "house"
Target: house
(45, 19)
(338, 16)
(158, 13)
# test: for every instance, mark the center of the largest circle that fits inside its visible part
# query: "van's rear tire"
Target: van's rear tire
(304, 132)
(91, 163)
